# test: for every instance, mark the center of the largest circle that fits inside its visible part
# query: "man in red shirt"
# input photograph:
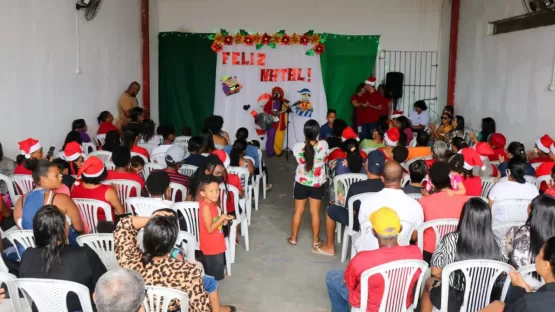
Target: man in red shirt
(344, 289)
(121, 157)
(370, 105)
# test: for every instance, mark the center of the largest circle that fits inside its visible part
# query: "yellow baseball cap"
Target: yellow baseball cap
(385, 222)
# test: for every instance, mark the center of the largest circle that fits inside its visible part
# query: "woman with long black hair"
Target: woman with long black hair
(515, 150)
(310, 178)
(473, 239)
(148, 134)
(488, 128)
(113, 140)
(53, 258)
(458, 129)
(207, 144)
(352, 163)
(131, 139)
(237, 156)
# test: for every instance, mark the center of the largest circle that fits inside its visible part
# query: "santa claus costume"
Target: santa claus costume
(275, 135)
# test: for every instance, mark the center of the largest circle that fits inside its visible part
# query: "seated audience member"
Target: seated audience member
(523, 297)
(155, 264)
(174, 158)
(52, 258)
(418, 171)
(461, 165)
(523, 243)
(113, 140)
(486, 170)
(402, 123)
(336, 213)
(131, 139)
(348, 134)
(458, 144)
(474, 239)
(546, 167)
(121, 157)
(148, 134)
(195, 157)
(215, 124)
(392, 196)
(137, 117)
(439, 205)
(344, 287)
(439, 133)
(73, 154)
(158, 186)
(47, 178)
(186, 131)
(515, 150)
(207, 144)
(551, 187)
(448, 109)
(391, 139)
(91, 175)
(457, 131)
(105, 123)
(334, 141)
(251, 151)
(400, 154)
(420, 116)
(353, 162)
(377, 140)
(440, 153)
(29, 149)
(326, 130)
(168, 134)
(79, 125)
(67, 179)
(72, 136)
(137, 164)
(497, 141)
(541, 149)
(421, 149)
(488, 128)
(119, 290)
(515, 187)
(237, 157)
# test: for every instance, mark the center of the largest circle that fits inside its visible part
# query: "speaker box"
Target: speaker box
(394, 85)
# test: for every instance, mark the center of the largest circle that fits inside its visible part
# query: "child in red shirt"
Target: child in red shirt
(212, 241)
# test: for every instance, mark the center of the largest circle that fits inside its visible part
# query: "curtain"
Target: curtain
(347, 62)
(187, 71)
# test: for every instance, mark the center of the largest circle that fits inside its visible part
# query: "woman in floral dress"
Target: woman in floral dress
(310, 178)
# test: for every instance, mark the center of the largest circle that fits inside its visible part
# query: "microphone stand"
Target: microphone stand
(287, 150)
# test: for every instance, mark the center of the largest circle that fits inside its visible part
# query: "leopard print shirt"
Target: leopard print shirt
(169, 272)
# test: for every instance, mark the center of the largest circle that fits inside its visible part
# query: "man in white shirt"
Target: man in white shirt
(168, 133)
(420, 116)
(392, 196)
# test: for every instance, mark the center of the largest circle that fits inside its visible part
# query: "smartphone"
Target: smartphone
(50, 152)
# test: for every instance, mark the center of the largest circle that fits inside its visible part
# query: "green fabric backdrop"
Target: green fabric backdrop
(347, 61)
(187, 75)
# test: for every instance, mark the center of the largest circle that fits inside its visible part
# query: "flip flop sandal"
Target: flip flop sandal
(290, 242)
(320, 243)
(319, 251)
(268, 187)
(232, 308)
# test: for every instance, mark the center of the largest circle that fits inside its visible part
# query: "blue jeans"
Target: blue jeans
(366, 130)
(337, 291)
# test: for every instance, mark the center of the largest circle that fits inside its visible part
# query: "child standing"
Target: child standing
(212, 243)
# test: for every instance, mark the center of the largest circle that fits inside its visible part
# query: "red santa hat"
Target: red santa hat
(471, 158)
(371, 81)
(224, 158)
(93, 167)
(544, 143)
(391, 137)
(552, 148)
(396, 114)
(497, 140)
(29, 146)
(72, 151)
(348, 133)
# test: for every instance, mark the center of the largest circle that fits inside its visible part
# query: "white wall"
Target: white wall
(40, 92)
(505, 76)
(404, 25)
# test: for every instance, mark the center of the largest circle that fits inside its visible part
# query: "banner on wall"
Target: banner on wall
(245, 81)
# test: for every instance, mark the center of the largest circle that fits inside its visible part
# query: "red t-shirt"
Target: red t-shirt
(368, 114)
(540, 159)
(99, 193)
(544, 169)
(210, 243)
(19, 169)
(440, 206)
(116, 175)
(106, 127)
(473, 186)
(365, 260)
(140, 150)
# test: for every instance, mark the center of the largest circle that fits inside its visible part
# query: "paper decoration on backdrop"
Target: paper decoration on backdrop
(230, 85)
(303, 107)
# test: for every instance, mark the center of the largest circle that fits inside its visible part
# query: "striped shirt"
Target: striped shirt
(179, 178)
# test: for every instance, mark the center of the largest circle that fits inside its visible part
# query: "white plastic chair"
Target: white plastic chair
(110, 165)
(9, 185)
(501, 229)
(89, 211)
(148, 146)
(176, 187)
(405, 180)
(25, 238)
(441, 227)
(510, 210)
(397, 276)
(262, 174)
(140, 155)
(487, 184)
(124, 188)
(543, 179)
(182, 140)
(158, 299)
(415, 196)
(49, 295)
(413, 142)
(145, 207)
(23, 183)
(403, 239)
(159, 159)
(345, 180)
(149, 167)
(8, 278)
(243, 174)
(100, 139)
(188, 170)
(530, 179)
(103, 245)
(409, 162)
(187, 243)
(105, 156)
(349, 232)
(527, 274)
(480, 277)
(239, 219)
(190, 212)
(88, 146)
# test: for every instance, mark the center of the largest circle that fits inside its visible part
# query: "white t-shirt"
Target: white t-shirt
(160, 149)
(422, 119)
(408, 209)
(513, 190)
(317, 176)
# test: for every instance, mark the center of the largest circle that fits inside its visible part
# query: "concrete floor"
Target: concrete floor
(275, 276)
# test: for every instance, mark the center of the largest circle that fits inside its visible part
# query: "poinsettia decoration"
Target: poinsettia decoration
(228, 40)
(319, 49)
(217, 46)
(304, 40)
(285, 40)
(266, 39)
(248, 40)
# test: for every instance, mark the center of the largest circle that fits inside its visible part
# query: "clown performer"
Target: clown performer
(274, 136)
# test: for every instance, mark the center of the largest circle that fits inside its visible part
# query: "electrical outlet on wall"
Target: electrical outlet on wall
(551, 87)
